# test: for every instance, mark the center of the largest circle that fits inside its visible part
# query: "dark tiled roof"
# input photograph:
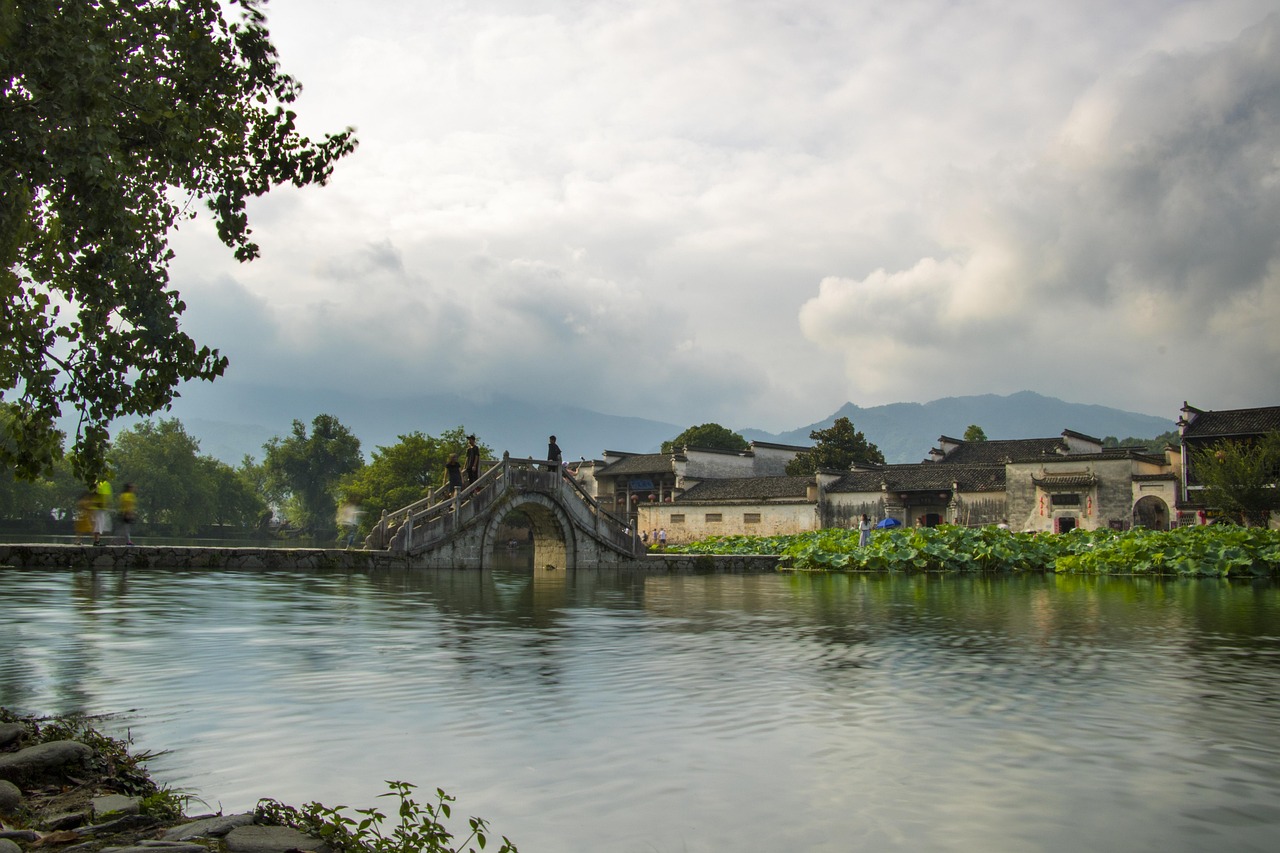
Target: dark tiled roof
(1151, 478)
(1003, 450)
(1233, 422)
(932, 476)
(1061, 480)
(748, 488)
(641, 463)
(771, 445)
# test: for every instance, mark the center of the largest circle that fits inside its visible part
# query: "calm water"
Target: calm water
(599, 711)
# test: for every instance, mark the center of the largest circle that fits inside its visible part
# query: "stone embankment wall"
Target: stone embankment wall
(314, 559)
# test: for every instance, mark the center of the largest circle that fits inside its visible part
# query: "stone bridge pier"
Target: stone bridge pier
(557, 542)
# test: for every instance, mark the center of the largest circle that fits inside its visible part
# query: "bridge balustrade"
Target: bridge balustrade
(442, 514)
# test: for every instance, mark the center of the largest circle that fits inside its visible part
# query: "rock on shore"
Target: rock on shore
(64, 793)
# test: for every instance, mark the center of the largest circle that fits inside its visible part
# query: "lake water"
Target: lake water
(608, 711)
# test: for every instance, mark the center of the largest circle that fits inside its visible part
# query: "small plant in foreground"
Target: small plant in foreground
(420, 827)
(165, 804)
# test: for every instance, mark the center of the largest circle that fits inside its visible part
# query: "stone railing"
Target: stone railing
(444, 512)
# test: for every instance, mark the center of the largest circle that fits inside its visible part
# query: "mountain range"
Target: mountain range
(904, 432)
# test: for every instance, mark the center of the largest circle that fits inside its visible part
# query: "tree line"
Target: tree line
(296, 489)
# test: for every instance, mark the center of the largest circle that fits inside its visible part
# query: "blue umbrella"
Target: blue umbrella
(887, 522)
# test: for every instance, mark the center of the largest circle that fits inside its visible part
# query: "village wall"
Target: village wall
(691, 522)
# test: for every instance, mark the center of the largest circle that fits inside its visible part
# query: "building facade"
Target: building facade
(1052, 485)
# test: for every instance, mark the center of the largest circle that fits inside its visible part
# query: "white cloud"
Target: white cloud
(1132, 263)
(752, 212)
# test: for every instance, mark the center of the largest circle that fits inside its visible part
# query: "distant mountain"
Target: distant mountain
(905, 432)
(230, 425)
(238, 421)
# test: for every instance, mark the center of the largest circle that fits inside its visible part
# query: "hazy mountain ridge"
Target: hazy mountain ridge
(904, 432)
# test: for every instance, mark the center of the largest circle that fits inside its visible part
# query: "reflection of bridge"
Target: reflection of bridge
(569, 529)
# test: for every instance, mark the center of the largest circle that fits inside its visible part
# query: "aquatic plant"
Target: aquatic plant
(1212, 551)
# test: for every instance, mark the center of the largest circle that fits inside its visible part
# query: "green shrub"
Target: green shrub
(420, 826)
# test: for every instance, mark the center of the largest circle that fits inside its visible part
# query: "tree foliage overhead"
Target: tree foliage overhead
(1242, 479)
(711, 436)
(308, 468)
(838, 447)
(115, 116)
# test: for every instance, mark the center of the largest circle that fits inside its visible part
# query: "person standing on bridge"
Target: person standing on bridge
(473, 460)
(553, 454)
(453, 474)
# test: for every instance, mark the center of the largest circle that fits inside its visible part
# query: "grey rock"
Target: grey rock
(212, 827)
(43, 759)
(11, 733)
(10, 797)
(66, 820)
(7, 846)
(27, 835)
(159, 847)
(115, 804)
(271, 839)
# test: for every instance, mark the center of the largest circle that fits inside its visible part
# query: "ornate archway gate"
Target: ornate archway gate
(570, 529)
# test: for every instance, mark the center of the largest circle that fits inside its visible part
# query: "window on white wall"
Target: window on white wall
(751, 518)
(714, 516)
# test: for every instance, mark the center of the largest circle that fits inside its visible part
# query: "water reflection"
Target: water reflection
(618, 711)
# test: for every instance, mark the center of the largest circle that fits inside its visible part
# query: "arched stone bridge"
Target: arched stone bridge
(570, 529)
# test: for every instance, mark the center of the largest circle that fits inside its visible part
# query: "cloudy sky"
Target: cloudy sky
(754, 211)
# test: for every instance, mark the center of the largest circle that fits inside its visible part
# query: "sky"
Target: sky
(753, 212)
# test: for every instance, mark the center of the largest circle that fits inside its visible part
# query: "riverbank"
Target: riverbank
(63, 784)
(46, 556)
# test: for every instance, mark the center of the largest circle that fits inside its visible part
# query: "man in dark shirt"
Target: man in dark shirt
(473, 460)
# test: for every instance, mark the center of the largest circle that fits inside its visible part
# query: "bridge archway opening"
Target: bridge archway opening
(547, 536)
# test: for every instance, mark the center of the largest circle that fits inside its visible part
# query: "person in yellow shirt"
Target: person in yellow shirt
(84, 515)
(128, 512)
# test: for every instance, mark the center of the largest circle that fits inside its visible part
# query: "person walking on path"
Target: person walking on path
(128, 512)
(864, 531)
(473, 460)
(102, 512)
(349, 522)
(662, 539)
(84, 515)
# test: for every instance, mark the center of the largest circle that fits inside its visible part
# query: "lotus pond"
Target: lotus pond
(1210, 551)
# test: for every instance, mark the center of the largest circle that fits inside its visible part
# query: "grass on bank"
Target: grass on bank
(1208, 551)
(414, 828)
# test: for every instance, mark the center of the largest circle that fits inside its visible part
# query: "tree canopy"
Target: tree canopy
(115, 116)
(712, 436)
(1153, 445)
(1242, 479)
(307, 468)
(178, 486)
(838, 447)
(975, 433)
(405, 472)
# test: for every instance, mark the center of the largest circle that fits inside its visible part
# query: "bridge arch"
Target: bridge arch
(554, 543)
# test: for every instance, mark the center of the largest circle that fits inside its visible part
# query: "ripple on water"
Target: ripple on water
(701, 713)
